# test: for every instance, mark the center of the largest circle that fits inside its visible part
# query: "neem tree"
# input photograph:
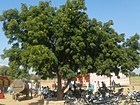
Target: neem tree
(57, 42)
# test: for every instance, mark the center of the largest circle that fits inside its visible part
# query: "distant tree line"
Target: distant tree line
(15, 74)
(134, 74)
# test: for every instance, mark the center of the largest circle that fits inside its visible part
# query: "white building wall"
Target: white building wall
(122, 81)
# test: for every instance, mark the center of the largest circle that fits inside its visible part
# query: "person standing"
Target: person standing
(30, 89)
(92, 85)
(55, 85)
(35, 89)
(95, 86)
(46, 95)
(70, 86)
(113, 85)
(1, 95)
(87, 85)
(9, 90)
(98, 85)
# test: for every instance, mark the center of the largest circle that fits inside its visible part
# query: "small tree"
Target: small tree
(133, 74)
(4, 70)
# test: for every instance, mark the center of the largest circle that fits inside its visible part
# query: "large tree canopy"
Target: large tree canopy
(58, 42)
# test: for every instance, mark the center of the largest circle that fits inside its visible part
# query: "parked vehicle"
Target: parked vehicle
(87, 97)
(20, 88)
(133, 97)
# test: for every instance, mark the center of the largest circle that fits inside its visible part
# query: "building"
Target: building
(88, 78)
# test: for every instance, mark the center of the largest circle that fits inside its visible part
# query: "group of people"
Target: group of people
(93, 86)
(34, 88)
(45, 91)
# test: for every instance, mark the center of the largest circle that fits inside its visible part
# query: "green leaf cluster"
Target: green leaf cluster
(59, 41)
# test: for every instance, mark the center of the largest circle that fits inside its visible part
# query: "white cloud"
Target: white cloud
(3, 62)
(137, 70)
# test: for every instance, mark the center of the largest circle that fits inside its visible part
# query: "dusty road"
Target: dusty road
(34, 101)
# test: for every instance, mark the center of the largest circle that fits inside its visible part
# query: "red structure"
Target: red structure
(4, 77)
(4, 83)
(83, 79)
(2, 95)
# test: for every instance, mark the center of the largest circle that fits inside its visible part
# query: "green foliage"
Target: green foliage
(34, 77)
(58, 42)
(4, 70)
(14, 73)
(132, 58)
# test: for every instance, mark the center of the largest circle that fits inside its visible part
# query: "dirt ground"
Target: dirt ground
(38, 101)
(30, 101)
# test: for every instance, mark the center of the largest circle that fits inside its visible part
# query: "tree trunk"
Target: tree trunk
(59, 89)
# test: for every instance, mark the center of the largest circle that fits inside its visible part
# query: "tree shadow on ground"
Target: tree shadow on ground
(124, 97)
(39, 102)
(124, 86)
(24, 98)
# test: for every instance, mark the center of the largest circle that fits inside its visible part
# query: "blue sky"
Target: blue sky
(125, 15)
